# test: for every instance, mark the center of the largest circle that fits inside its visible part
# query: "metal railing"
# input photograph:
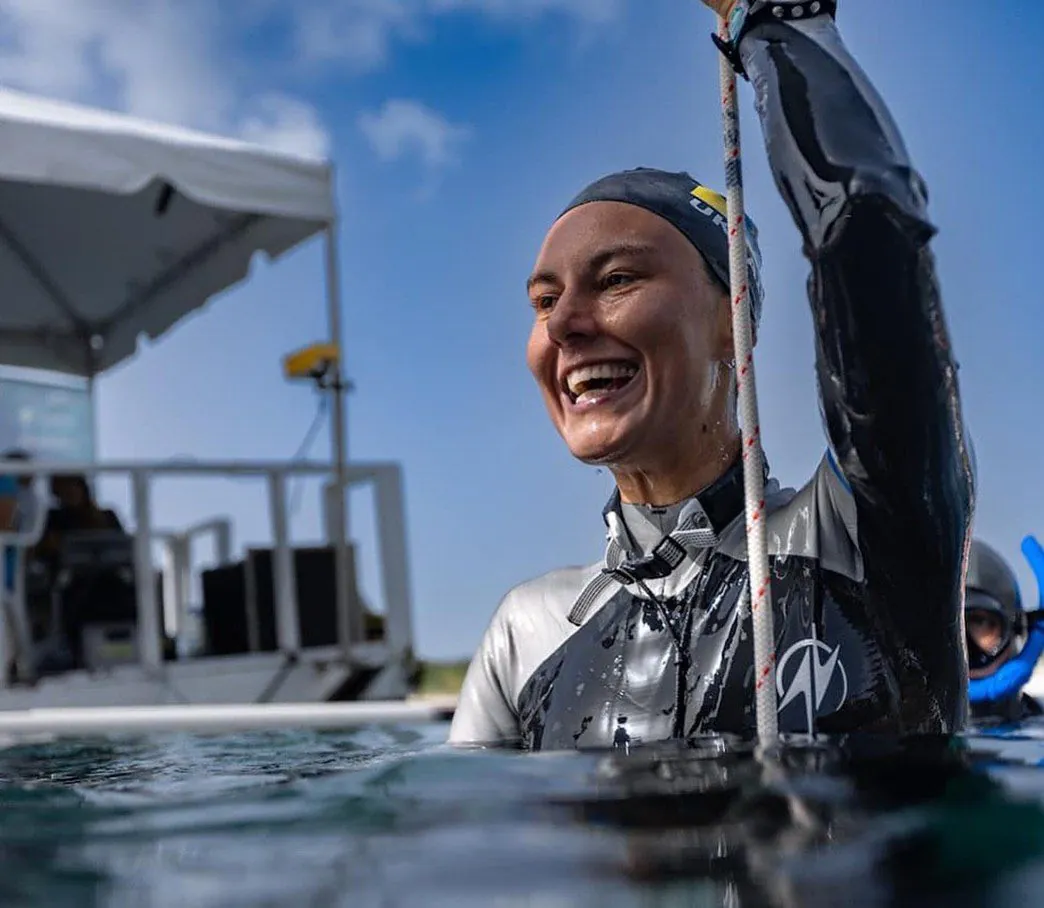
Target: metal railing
(177, 571)
(387, 480)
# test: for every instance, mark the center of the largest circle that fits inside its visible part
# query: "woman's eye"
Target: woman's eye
(544, 303)
(617, 279)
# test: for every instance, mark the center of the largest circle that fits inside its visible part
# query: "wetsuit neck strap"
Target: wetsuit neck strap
(699, 522)
(692, 534)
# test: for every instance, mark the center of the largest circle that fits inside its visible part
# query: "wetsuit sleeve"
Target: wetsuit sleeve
(886, 374)
(484, 713)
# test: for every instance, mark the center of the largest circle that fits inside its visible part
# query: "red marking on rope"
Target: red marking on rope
(765, 672)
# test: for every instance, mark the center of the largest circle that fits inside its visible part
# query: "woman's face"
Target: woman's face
(629, 335)
(988, 631)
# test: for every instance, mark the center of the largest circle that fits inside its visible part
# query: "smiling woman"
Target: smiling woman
(631, 346)
(625, 307)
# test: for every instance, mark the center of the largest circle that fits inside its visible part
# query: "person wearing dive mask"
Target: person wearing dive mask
(1004, 641)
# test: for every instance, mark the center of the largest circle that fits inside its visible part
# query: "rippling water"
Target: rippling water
(390, 818)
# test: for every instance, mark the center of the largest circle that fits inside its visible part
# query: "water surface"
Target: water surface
(389, 817)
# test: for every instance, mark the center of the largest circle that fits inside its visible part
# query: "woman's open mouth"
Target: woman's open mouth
(586, 385)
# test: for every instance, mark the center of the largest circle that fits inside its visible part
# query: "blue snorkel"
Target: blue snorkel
(1011, 677)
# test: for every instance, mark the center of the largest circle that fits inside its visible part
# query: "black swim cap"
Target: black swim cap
(991, 582)
(698, 212)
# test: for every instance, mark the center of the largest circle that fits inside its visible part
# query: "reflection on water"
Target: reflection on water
(389, 818)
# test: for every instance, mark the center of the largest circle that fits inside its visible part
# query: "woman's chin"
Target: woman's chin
(613, 436)
(601, 450)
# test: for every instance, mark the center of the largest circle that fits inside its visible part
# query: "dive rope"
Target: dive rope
(753, 458)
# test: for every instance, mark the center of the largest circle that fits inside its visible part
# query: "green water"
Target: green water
(390, 818)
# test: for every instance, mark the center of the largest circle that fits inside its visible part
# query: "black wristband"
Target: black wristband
(767, 11)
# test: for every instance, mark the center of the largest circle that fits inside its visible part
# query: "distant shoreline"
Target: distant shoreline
(440, 677)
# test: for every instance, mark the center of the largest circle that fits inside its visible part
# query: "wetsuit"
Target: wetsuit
(866, 559)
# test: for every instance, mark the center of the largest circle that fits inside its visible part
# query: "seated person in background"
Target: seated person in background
(8, 503)
(75, 513)
(87, 595)
(17, 509)
(18, 514)
(8, 521)
(1004, 642)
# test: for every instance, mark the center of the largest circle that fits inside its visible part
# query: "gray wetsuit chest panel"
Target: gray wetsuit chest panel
(640, 672)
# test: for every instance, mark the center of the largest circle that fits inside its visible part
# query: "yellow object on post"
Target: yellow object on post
(314, 361)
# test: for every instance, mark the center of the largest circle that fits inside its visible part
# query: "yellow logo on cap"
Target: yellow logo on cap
(709, 197)
(711, 205)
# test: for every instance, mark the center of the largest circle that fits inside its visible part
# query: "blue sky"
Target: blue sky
(460, 127)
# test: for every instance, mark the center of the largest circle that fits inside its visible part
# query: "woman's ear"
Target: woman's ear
(726, 346)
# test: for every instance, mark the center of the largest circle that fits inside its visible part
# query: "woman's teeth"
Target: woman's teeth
(587, 382)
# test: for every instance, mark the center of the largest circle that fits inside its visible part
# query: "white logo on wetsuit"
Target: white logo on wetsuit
(822, 684)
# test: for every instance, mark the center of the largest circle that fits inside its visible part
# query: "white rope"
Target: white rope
(223, 719)
(753, 460)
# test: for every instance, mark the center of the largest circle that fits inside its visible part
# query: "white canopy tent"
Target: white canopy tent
(112, 227)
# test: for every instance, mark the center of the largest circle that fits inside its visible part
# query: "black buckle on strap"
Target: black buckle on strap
(661, 562)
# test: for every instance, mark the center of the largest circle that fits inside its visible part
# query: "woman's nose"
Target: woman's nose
(572, 318)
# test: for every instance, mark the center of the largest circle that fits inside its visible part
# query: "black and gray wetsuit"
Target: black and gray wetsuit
(866, 559)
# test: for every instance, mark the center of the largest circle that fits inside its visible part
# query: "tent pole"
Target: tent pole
(346, 621)
(92, 404)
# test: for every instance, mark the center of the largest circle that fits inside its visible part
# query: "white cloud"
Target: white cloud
(287, 124)
(158, 59)
(147, 58)
(182, 61)
(360, 33)
(357, 32)
(403, 127)
(588, 11)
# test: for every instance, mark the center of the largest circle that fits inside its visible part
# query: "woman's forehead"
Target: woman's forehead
(589, 231)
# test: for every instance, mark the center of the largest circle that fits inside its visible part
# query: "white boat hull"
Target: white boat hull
(315, 676)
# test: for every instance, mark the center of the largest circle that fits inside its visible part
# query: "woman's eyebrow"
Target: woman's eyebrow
(598, 260)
